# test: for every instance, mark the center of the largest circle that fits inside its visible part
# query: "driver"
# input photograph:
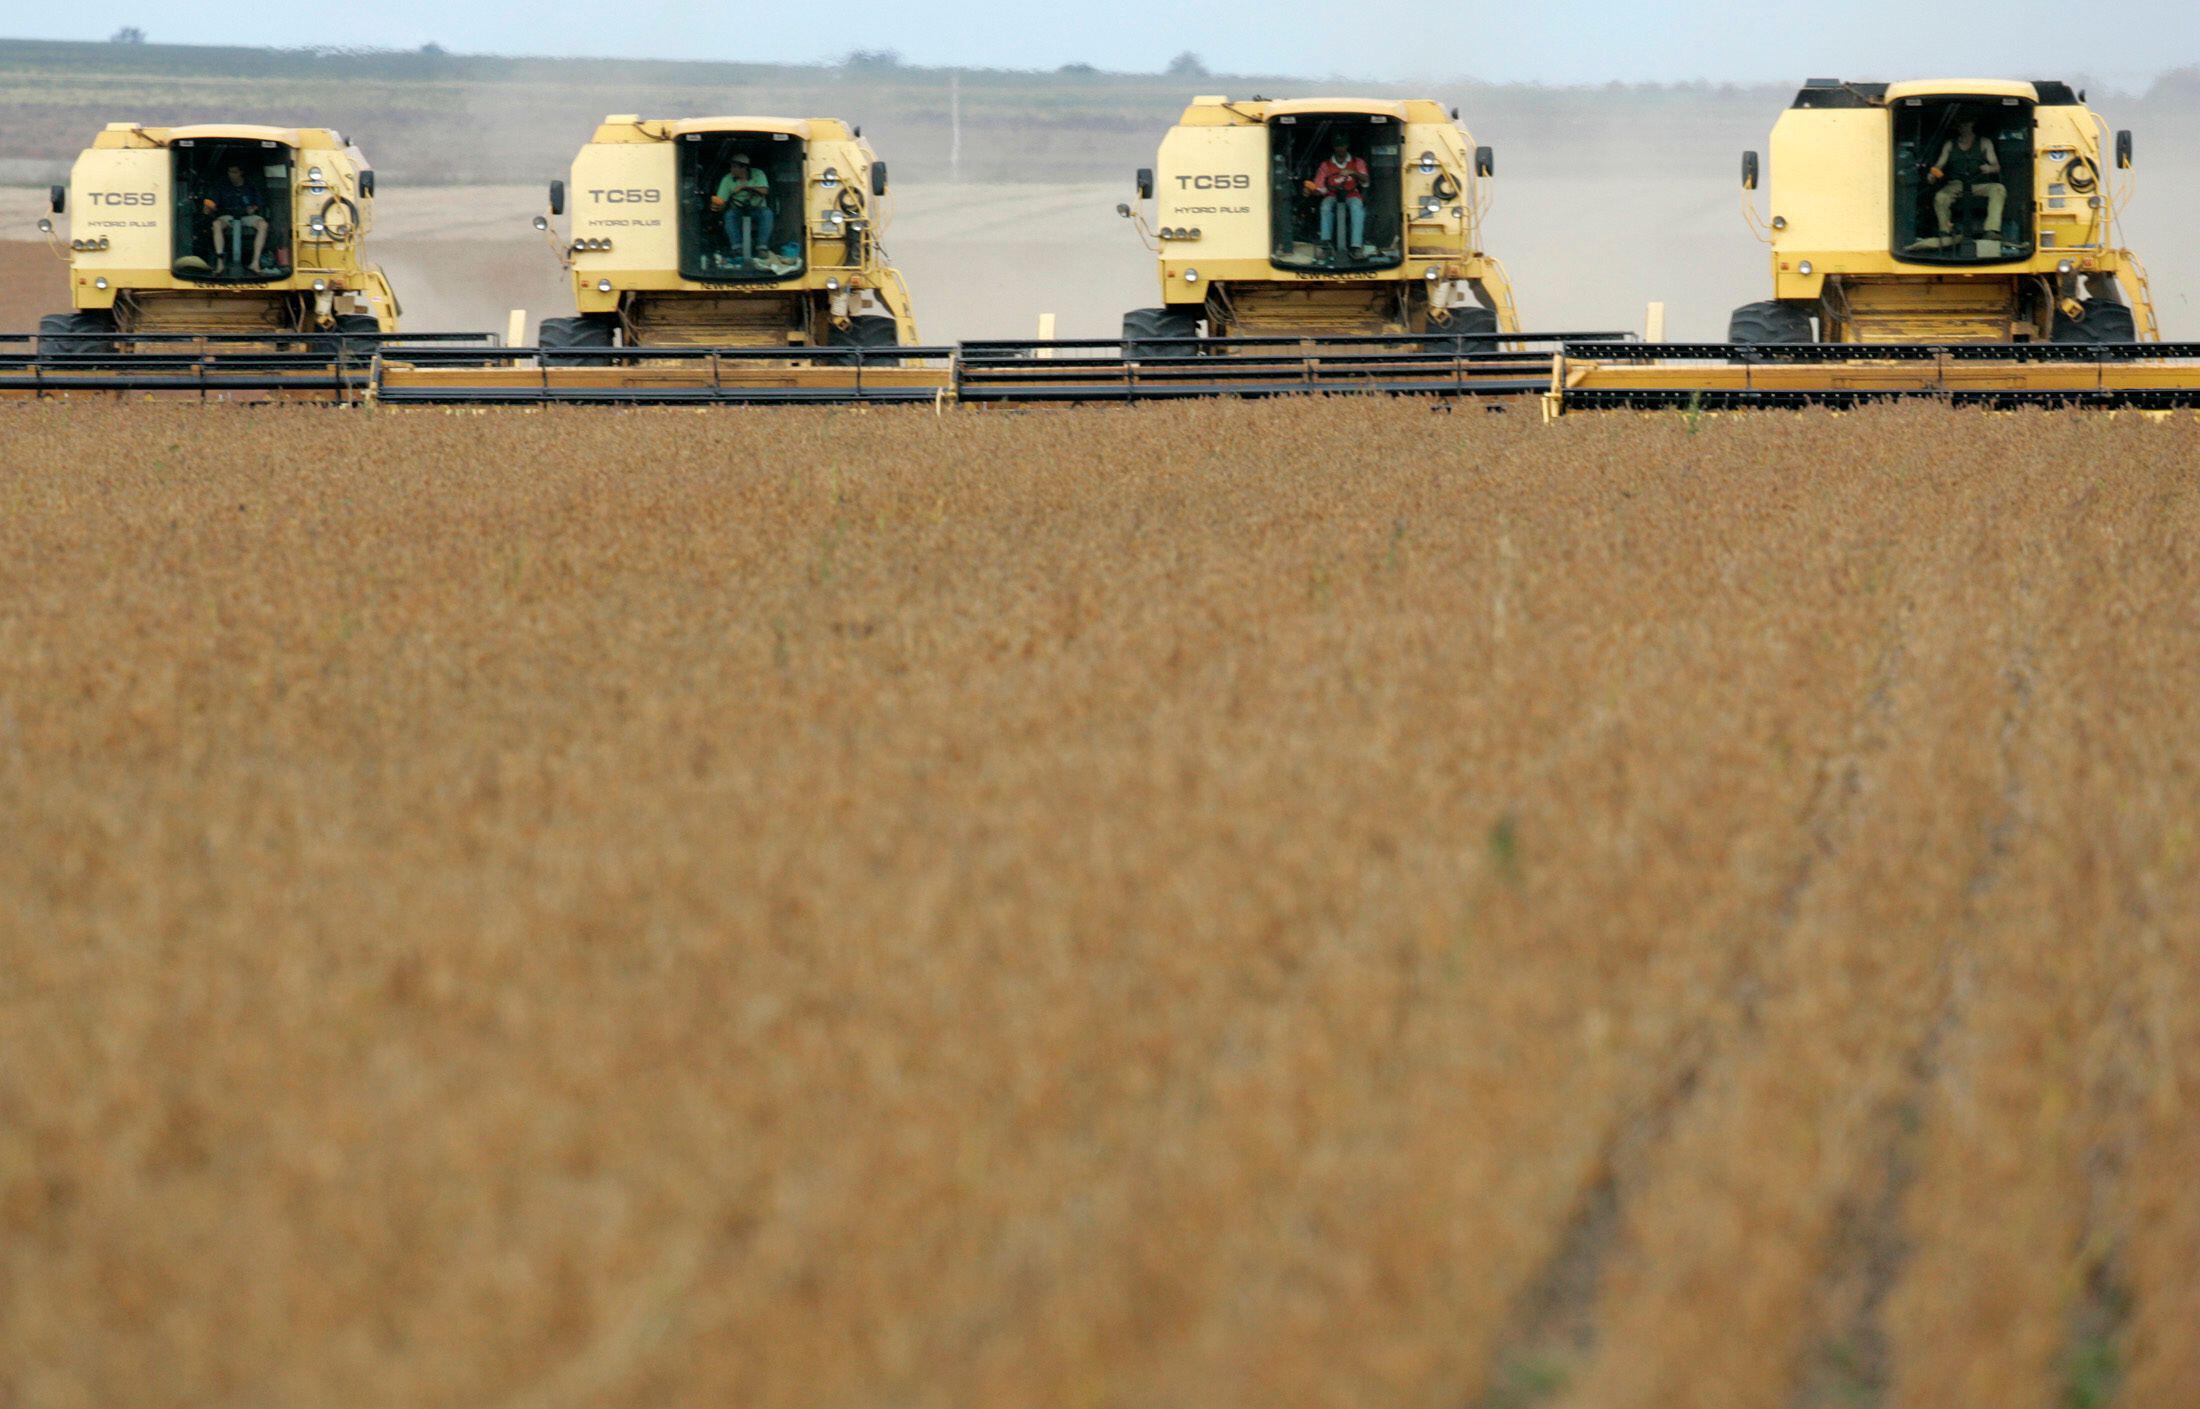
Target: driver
(1968, 166)
(1341, 181)
(744, 194)
(236, 206)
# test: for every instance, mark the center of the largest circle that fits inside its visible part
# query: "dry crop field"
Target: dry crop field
(1291, 904)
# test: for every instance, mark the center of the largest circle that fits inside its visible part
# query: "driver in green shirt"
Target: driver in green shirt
(744, 196)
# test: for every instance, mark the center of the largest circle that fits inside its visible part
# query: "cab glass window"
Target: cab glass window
(1963, 180)
(232, 213)
(1335, 198)
(741, 206)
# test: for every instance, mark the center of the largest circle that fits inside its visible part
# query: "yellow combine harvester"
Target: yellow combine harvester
(216, 230)
(728, 232)
(1320, 216)
(1967, 210)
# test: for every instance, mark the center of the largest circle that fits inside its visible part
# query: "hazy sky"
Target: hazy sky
(1552, 41)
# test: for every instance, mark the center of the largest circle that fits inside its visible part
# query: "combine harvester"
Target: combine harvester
(723, 232)
(1310, 245)
(1952, 238)
(1319, 218)
(216, 261)
(720, 259)
(1972, 211)
(186, 233)
(1307, 245)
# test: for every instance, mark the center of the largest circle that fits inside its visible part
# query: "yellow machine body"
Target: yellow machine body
(642, 247)
(1855, 239)
(1237, 235)
(137, 232)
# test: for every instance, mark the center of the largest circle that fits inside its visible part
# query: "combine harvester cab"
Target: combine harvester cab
(1951, 211)
(728, 232)
(1337, 217)
(230, 231)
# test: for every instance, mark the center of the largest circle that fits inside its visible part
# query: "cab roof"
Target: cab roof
(792, 127)
(1214, 109)
(1841, 93)
(1964, 88)
(1358, 107)
(632, 127)
(135, 134)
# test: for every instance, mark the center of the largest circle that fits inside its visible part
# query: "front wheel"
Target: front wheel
(85, 334)
(1147, 332)
(349, 340)
(871, 330)
(574, 342)
(2104, 324)
(1771, 324)
(1474, 322)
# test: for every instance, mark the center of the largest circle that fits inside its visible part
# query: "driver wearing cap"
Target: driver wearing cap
(744, 197)
(1341, 184)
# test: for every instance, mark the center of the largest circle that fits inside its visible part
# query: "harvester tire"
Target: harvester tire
(868, 331)
(1474, 322)
(568, 342)
(1142, 323)
(2104, 323)
(1771, 324)
(86, 334)
(349, 326)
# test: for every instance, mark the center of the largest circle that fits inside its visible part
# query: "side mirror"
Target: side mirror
(557, 198)
(878, 178)
(45, 226)
(59, 196)
(542, 222)
(366, 182)
(1122, 208)
(2123, 151)
(1749, 171)
(1145, 183)
(1485, 161)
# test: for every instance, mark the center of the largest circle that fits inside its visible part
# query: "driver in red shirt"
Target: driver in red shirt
(1342, 181)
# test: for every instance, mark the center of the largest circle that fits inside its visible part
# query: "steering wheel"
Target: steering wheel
(351, 218)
